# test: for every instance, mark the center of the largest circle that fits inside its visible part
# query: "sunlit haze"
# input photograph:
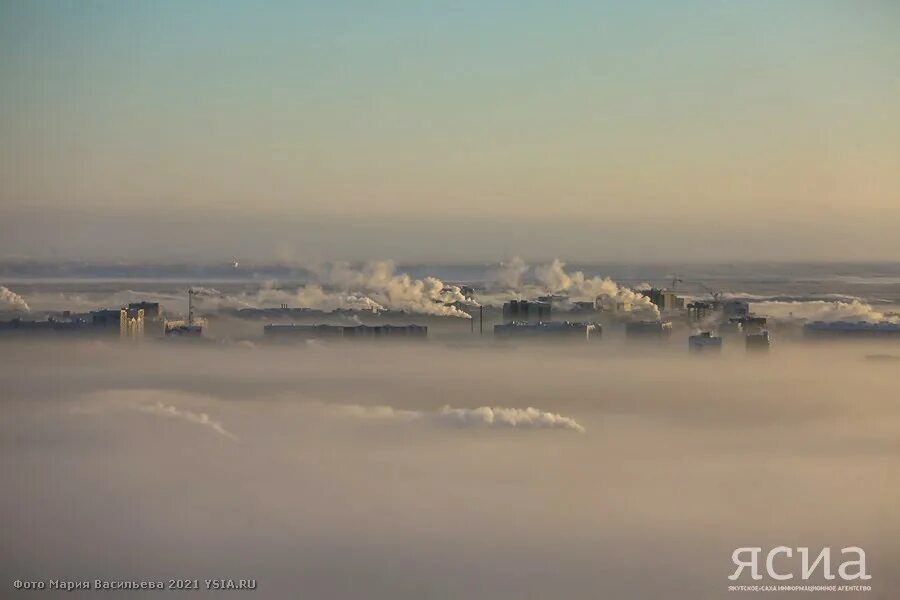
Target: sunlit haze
(589, 130)
(468, 300)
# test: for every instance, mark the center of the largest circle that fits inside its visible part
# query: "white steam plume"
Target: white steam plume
(316, 297)
(168, 410)
(312, 296)
(117, 401)
(378, 282)
(510, 274)
(554, 278)
(481, 417)
(207, 292)
(9, 300)
(374, 287)
(387, 413)
(486, 416)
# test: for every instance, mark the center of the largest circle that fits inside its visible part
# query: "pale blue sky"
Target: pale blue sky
(691, 113)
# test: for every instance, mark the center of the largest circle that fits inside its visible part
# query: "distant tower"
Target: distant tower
(481, 319)
(131, 323)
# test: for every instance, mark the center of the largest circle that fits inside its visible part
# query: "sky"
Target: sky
(450, 131)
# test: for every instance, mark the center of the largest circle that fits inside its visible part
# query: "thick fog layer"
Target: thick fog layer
(427, 471)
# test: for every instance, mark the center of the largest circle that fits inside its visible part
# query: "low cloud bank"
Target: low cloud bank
(821, 310)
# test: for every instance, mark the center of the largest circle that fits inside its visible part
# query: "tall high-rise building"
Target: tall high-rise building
(523, 311)
(131, 323)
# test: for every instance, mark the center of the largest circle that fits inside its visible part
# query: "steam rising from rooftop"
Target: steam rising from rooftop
(379, 282)
(376, 286)
(380, 286)
(509, 274)
(555, 279)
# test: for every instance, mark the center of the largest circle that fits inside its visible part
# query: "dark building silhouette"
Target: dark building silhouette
(524, 311)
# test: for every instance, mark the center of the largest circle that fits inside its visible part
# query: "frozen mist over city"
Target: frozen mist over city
(471, 300)
(407, 471)
(458, 465)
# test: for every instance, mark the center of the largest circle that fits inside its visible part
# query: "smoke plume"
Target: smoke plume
(113, 401)
(374, 287)
(316, 297)
(481, 417)
(379, 283)
(554, 278)
(486, 416)
(510, 273)
(11, 301)
(173, 412)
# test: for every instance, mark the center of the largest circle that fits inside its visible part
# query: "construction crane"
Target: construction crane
(715, 294)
